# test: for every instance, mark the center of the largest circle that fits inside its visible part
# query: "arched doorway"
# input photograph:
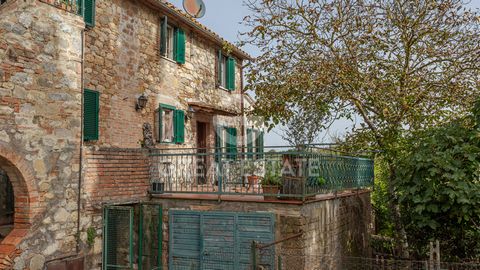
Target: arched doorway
(19, 196)
(7, 205)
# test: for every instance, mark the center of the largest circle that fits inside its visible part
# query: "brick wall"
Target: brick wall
(113, 175)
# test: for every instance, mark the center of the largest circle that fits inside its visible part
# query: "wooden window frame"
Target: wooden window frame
(160, 122)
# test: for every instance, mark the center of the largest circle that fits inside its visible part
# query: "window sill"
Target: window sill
(164, 142)
(170, 60)
(225, 89)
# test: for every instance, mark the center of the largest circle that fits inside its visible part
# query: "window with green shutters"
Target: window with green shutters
(91, 109)
(172, 42)
(226, 71)
(255, 143)
(225, 143)
(87, 10)
(170, 124)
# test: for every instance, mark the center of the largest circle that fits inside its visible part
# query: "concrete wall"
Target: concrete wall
(122, 61)
(40, 110)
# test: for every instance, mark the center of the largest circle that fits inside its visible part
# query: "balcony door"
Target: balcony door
(202, 150)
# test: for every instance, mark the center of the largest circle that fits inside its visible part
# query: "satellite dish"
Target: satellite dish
(196, 8)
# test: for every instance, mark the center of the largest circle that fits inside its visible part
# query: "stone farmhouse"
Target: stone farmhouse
(125, 144)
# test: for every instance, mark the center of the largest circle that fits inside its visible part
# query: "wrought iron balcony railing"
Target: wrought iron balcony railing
(275, 173)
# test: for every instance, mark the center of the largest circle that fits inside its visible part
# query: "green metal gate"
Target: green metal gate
(218, 240)
(131, 229)
(117, 237)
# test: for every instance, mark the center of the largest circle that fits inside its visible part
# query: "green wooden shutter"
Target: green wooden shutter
(163, 36)
(80, 6)
(249, 143)
(90, 115)
(89, 12)
(260, 144)
(232, 143)
(219, 68)
(231, 74)
(179, 46)
(179, 126)
(158, 123)
(218, 143)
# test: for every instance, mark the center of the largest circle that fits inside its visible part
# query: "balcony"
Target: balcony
(278, 173)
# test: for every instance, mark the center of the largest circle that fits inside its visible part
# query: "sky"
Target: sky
(225, 16)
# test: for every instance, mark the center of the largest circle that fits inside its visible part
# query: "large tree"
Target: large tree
(401, 65)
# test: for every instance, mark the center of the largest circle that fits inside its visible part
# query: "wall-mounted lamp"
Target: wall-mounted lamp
(141, 102)
(190, 112)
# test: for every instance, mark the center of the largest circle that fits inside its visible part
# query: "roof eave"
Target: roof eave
(209, 34)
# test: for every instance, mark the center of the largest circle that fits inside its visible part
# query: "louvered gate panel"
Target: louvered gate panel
(258, 228)
(184, 240)
(218, 240)
(218, 234)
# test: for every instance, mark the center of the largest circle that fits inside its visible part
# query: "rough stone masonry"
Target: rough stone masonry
(40, 110)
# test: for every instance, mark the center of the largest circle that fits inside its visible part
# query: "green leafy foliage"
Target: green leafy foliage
(383, 219)
(91, 234)
(272, 175)
(439, 189)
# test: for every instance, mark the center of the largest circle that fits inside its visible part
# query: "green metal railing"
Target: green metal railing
(225, 171)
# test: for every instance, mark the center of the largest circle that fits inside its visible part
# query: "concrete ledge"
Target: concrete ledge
(256, 198)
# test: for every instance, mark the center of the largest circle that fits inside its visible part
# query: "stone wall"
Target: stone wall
(337, 227)
(122, 61)
(40, 119)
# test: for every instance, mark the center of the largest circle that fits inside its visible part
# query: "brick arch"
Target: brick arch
(26, 203)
